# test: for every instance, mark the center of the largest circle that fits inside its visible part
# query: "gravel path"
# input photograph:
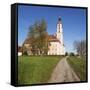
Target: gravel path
(63, 73)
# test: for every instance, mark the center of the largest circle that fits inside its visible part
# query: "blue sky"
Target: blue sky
(73, 19)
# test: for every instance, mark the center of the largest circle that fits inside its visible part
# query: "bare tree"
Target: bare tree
(80, 47)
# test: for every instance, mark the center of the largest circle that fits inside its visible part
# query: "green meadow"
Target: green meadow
(36, 69)
(79, 66)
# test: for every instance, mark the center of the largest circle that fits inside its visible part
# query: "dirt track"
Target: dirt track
(63, 73)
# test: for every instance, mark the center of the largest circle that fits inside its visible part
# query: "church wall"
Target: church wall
(55, 49)
(52, 48)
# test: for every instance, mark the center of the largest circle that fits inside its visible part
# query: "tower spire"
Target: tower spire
(59, 20)
(60, 30)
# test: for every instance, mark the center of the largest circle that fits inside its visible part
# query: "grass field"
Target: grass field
(79, 66)
(36, 69)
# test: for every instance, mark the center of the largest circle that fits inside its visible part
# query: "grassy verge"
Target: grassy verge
(79, 66)
(36, 69)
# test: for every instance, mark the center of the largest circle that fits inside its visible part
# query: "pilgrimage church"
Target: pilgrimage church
(56, 46)
(56, 41)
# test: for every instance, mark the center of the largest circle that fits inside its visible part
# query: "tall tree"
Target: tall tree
(39, 37)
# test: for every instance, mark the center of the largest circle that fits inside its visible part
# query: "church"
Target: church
(56, 46)
(56, 41)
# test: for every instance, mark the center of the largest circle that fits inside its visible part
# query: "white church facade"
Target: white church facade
(56, 41)
(56, 46)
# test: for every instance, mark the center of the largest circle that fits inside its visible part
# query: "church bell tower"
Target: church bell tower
(60, 30)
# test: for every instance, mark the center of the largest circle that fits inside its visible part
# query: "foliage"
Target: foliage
(72, 54)
(25, 53)
(80, 47)
(24, 50)
(66, 54)
(39, 38)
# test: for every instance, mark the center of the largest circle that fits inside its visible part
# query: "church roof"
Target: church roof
(53, 38)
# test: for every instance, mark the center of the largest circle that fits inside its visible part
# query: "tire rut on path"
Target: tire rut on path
(63, 73)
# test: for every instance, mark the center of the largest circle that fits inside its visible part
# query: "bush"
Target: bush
(25, 53)
(66, 54)
(72, 54)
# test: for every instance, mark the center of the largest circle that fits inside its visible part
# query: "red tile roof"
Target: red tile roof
(53, 38)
